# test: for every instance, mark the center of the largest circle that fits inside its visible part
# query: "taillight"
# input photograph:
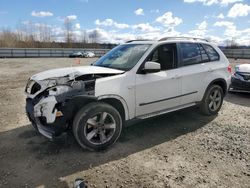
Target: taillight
(229, 69)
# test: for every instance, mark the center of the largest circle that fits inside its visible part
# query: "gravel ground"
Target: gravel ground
(180, 149)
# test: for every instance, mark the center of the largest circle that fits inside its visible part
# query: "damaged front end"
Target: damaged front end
(55, 96)
(240, 81)
(51, 103)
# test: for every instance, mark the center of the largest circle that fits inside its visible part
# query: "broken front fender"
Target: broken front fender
(64, 105)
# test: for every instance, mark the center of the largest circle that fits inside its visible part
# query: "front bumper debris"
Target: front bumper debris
(46, 108)
(47, 124)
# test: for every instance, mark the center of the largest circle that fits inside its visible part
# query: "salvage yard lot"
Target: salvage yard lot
(180, 149)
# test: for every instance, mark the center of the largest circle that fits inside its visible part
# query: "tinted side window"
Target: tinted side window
(190, 53)
(165, 55)
(213, 55)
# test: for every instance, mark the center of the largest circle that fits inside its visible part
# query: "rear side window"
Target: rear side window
(213, 55)
(190, 53)
(204, 55)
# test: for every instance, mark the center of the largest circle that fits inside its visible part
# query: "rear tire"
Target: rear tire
(212, 100)
(97, 126)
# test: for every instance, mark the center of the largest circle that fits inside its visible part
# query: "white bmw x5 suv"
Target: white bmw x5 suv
(136, 80)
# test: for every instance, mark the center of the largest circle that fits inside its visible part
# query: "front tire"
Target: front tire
(35, 127)
(212, 100)
(97, 126)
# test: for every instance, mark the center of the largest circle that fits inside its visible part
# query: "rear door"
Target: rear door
(194, 70)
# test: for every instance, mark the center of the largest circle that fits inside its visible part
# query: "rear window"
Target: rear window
(190, 53)
(213, 55)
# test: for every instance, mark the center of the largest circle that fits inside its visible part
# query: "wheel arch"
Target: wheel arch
(204, 105)
(118, 103)
(221, 82)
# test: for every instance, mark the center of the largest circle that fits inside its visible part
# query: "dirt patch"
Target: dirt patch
(180, 149)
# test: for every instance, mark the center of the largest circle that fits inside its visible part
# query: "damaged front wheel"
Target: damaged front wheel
(97, 126)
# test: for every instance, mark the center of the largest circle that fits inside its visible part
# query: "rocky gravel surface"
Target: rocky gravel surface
(180, 149)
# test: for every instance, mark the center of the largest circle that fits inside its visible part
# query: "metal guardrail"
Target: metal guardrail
(237, 53)
(64, 52)
(45, 52)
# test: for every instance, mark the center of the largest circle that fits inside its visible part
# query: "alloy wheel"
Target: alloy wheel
(215, 99)
(100, 128)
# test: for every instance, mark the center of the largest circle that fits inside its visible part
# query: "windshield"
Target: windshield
(123, 57)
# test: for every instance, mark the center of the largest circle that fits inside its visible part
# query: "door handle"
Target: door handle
(210, 70)
(176, 76)
(131, 86)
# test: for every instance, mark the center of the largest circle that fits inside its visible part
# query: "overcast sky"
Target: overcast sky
(121, 20)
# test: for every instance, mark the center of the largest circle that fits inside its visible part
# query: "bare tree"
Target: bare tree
(231, 43)
(44, 34)
(68, 31)
(8, 38)
(93, 36)
(234, 43)
(39, 35)
(84, 37)
(20, 34)
(30, 35)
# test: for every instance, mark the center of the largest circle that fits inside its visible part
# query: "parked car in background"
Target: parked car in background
(82, 54)
(136, 80)
(241, 79)
(76, 54)
(88, 54)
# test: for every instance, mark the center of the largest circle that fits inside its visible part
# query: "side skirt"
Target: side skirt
(165, 111)
(154, 114)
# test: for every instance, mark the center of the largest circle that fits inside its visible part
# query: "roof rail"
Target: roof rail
(193, 38)
(137, 40)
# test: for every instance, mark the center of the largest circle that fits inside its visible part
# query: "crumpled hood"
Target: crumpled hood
(243, 68)
(74, 72)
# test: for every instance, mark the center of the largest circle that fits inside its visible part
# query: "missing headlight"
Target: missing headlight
(32, 87)
(59, 90)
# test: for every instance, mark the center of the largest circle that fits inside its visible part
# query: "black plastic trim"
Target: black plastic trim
(143, 104)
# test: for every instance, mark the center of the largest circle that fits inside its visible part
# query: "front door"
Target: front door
(159, 91)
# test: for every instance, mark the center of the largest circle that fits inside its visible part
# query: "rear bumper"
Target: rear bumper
(239, 85)
(49, 130)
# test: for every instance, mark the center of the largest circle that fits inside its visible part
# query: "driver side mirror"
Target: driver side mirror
(151, 67)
